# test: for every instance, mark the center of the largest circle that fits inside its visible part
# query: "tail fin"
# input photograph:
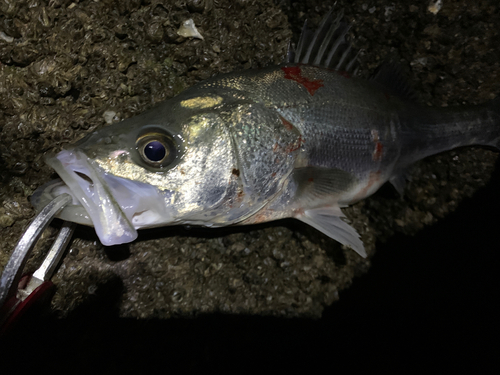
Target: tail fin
(434, 130)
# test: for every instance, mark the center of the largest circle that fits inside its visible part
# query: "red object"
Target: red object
(14, 309)
(295, 74)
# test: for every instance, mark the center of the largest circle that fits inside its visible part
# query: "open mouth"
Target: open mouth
(115, 206)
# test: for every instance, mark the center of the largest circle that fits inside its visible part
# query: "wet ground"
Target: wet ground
(63, 64)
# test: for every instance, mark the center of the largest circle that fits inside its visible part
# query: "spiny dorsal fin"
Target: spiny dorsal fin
(390, 77)
(327, 47)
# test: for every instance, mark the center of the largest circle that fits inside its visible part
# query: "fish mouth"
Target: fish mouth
(115, 206)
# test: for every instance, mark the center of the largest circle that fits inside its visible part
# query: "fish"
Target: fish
(300, 140)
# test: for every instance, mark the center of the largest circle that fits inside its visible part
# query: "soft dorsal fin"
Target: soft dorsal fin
(390, 77)
(327, 47)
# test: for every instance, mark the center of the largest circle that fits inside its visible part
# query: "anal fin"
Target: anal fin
(399, 183)
(329, 221)
(399, 178)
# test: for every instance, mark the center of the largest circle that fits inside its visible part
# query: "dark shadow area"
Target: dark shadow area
(205, 232)
(117, 253)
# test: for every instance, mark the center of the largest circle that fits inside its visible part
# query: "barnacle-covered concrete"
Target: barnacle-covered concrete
(67, 67)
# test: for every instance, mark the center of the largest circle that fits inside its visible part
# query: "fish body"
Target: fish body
(298, 140)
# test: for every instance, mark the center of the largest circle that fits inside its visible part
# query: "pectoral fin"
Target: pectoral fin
(329, 221)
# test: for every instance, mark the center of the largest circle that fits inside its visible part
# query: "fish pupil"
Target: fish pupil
(155, 151)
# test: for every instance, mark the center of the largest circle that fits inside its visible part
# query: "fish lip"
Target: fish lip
(87, 184)
(115, 206)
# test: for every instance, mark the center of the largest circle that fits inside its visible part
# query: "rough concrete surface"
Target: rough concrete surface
(64, 63)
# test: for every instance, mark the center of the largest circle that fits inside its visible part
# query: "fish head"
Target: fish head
(208, 158)
(172, 164)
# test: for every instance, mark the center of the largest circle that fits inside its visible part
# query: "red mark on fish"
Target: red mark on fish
(377, 153)
(295, 146)
(295, 74)
(373, 181)
(379, 147)
(288, 125)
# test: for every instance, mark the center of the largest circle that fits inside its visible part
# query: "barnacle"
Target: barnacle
(188, 29)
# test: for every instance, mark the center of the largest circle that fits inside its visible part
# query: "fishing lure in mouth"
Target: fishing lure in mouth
(300, 140)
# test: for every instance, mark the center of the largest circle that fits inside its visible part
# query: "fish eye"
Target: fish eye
(156, 149)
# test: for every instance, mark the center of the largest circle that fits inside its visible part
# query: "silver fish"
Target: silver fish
(300, 140)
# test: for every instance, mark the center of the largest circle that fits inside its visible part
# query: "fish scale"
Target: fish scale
(345, 121)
